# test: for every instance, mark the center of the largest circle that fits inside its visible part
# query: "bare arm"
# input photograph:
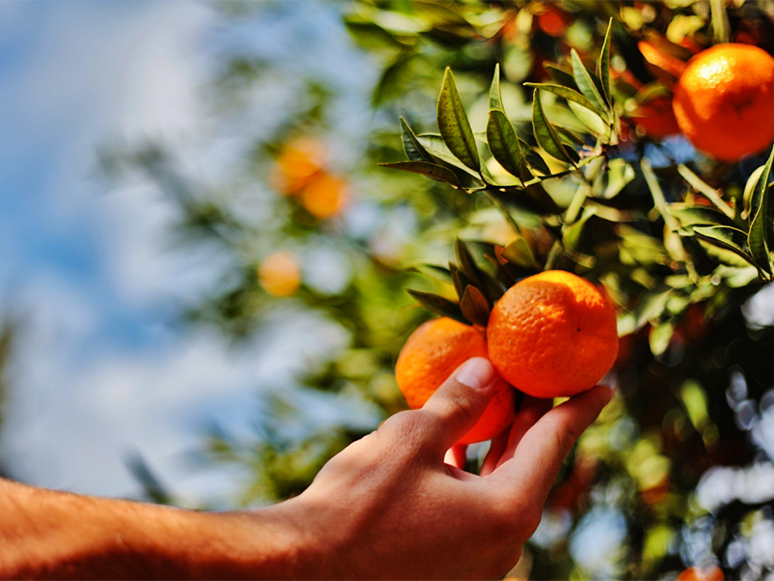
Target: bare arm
(388, 506)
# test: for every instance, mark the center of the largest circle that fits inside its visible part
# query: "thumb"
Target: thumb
(458, 403)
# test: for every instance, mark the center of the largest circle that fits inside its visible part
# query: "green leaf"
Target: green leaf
(439, 305)
(534, 159)
(474, 306)
(572, 234)
(504, 143)
(435, 146)
(726, 237)
(590, 119)
(690, 216)
(603, 66)
(660, 336)
(586, 84)
(761, 217)
(467, 263)
(454, 125)
(431, 170)
(560, 76)
(545, 134)
(495, 99)
(414, 150)
(519, 253)
(564, 92)
(459, 279)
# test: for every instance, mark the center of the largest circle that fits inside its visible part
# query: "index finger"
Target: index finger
(538, 457)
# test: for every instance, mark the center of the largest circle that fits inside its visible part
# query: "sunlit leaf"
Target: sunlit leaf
(603, 66)
(495, 99)
(586, 83)
(725, 237)
(572, 235)
(659, 337)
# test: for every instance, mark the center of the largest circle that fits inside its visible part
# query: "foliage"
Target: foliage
(537, 158)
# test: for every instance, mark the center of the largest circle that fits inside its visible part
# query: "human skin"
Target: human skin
(386, 507)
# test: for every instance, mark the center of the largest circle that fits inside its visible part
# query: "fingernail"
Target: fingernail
(476, 373)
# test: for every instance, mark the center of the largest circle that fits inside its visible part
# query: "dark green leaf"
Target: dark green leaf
(504, 143)
(439, 305)
(495, 99)
(561, 76)
(586, 84)
(459, 279)
(603, 66)
(534, 160)
(474, 306)
(572, 234)
(454, 125)
(545, 134)
(725, 237)
(415, 151)
(430, 170)
(467, 263)
(565, 93)
(761, 217)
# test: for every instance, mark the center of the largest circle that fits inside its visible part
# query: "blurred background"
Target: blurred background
(203, 270)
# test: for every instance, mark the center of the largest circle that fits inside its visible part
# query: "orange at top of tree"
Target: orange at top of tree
(430, 356)
(724, 99)
(552, 335)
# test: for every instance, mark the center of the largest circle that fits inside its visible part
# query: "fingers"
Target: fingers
(539, 455)
(456, 456)
(496, 451)
(530, 411)
(456, 406)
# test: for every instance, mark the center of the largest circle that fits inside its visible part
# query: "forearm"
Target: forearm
(60, 535)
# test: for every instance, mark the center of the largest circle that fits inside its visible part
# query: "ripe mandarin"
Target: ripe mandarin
(724, 99)
(552, 335)
(431, 355)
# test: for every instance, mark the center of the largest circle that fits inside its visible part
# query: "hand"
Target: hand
(388, 506)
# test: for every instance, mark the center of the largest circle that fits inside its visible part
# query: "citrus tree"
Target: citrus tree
(549, 140)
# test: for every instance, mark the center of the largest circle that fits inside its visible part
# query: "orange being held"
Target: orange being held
(552, 335)
(432, 353)
(724, 99)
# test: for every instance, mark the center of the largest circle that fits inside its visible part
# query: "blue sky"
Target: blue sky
(100, 369)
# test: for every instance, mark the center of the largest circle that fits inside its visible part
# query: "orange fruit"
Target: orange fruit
(325, 195)
(656, 118)
(279, 274)
(430, 356)
(724, 98)
(298, 162)
(701, 574)
(552, 335)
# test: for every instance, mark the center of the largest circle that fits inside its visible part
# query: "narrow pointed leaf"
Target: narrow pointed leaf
(560, 76)
(534, 160)
(467, 263)
(590, 119)
(495, 98)
(504, 143)
(603, 66)
(690, 216)
(414, 150)
(439, 305)
(431, 170)
(454, 125)
(564, 92)
(572, 234)
(726, 237)
(760, 238)
(459, 279)
(435, 146)
(545, 134)
(474, 306)
(586, 83)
